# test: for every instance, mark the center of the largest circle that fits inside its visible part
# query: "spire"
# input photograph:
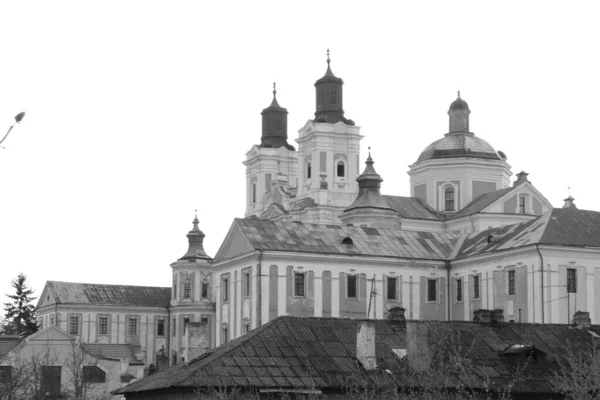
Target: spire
(195, 240)
(274, 125)
(369, 184)
(328, 72)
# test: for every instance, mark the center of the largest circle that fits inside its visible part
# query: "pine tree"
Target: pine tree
(20, 314)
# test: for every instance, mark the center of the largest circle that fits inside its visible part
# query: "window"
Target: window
(102, 325)
(391, 288)
(74, 325)
(521, 204)
(41, 324)
(476, 287)
(93, 374)
(341, 169)
(204, 290)
(334, 97)
(225, 335)
(298, 284)
(160, 327)
(186, 323)
(308, 170)
(278, 125)
(511, 282)
(449, 197)
(431, 289)
(187, 289)
(254, 193)
(5, 374)
(246, 328)
(352, 287)
(52, 320)
(247, 286)
(459, 284)
(131, 326)
(225, 289)
(174, 327)
(571, 280)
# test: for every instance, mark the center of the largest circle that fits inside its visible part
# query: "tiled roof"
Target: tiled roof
(327, 239)
(412, 208)
(88, 293)
(122, 351)
(8, 343)
(559, 227)
(481, 202)
(320, 353)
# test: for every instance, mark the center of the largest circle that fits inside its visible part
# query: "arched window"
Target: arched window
(449, 197)
(340, 169)
(334, 98)
(308, 170)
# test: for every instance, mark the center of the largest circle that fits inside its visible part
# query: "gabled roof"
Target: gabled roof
(89, 293)
(320, 353)
(9, 343)
(559, 227)
(412, 208)
(110, 350)
(327, 239)
(481, 202)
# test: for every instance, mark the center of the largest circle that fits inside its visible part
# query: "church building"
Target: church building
(319, 239)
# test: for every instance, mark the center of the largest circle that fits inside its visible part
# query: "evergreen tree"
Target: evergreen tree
(20, 314)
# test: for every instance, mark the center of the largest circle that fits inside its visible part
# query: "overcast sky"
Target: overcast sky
(140, 112)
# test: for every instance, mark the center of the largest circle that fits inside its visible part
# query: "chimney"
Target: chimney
(497, 315)
(417, 348)
(396, 314)
(482, 315)
(521, 177)
(582, 320)
(569, 203)
(365, 345)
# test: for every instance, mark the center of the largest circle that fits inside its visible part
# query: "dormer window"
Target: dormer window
(334, 97)
(449, 199)
(308, 170)
(521, 205)
(341, 170)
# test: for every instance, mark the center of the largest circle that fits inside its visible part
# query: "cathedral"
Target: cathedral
(319, 239)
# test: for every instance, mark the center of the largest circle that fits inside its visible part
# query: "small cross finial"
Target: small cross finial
(328, 56)
(459, 93)
(369, 148)
(274, 88)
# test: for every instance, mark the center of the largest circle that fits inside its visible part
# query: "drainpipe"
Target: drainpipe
(448, 296)
(169, 334)
(259, 294)
(537, 246)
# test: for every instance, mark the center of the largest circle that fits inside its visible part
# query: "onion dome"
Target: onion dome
(459, 104)
(274, 125)
(330, 98)
(369, 184)
(195, 240)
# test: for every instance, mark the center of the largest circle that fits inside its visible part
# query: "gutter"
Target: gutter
(537, 246)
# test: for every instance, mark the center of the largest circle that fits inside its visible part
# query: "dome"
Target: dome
(459, 105)
(463, 144)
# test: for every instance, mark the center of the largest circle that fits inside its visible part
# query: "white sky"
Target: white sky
(139, 112)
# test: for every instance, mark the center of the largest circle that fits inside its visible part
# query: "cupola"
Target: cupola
(274, 125)
(459, 115)
(196, 247)
(330, 99)
(569, 203)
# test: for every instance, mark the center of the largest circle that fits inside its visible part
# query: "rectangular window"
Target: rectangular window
(187, 289)
(298, 284)
(131, 326)
(160, 327)
(186, 323)
(571, 280)
(246, 328)
(511, 282)
(102, 325)
(74, 325)
(204, 290)
(93, 374)
(5, 374)
(52, 320)
(459, 285)
(352, 287)
(476, 287)
(247, 286)
(521, 204)
(174, 327)
(392, 287)
(225, 289)
(431, 289)
(225, 335)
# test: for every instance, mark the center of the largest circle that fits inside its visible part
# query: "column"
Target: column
(335, 294)
(318, 293)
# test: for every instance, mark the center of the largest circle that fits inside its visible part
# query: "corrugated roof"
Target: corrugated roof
(122, 351)
(320, 353)
(8, 344)
(412, 208)
(559, 227)
(89, 293)
(327, 239)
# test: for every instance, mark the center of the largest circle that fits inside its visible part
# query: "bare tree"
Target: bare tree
(579, 371)
(85, 379)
